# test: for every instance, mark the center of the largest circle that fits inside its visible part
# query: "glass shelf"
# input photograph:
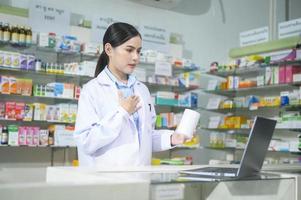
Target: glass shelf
(242, 149)
(196, 146)
(25, 147)
(37, 98)
(35, 48)
(164, 128)
(252, 69)
(267, 108)
(32, 123)
(173, 88)
(157, 106)
(175, 69)
(234, 92)
(245, 130)
(231, 110)
(20, 72)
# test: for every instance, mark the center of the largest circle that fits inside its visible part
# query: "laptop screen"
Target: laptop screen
(257, 146)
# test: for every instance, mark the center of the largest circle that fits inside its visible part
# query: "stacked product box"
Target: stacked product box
(168, 120)
(60, 90)
(166, 98)
(13, 85)
(189, 99)
(63, 135)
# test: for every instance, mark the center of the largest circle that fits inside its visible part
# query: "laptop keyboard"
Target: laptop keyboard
(219, 169)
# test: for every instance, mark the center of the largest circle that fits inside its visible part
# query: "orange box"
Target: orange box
(12, 85)
(5, 84)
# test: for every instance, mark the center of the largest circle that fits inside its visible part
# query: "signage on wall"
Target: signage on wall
(44, 17)
(155, 38)
(99, 27)
(289, 28)
(254, 36)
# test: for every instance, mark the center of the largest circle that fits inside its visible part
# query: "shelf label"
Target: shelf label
(214, 121)
(213, 103)
(254, 36)
(155, 38)
(44, 17)
(289, 28)
(163, 68)
(212, 84)
(168, 192)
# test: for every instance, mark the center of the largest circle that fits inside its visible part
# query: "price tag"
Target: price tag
(212, 84)
(163, 68)
(213, 103)
(214, 122)
(44, 17)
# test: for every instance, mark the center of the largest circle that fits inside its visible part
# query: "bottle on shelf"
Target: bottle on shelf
(299, 144)
(51, 40)
(28, 34)
(22, 36)
(14, 35)
(6, 32)
(1, 31)
(4, 135)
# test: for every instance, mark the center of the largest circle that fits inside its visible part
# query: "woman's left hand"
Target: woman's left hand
(177, 139)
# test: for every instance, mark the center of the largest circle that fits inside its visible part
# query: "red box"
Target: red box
(290, 71)
(20, 111)
(10, 110)
(282, 73)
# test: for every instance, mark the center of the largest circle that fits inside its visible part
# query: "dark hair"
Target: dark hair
(116, 34)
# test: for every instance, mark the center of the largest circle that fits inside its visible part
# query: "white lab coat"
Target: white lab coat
(106, 134)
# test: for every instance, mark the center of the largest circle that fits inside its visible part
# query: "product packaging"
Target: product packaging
(13, 135)
(28, 112)
(10, 110)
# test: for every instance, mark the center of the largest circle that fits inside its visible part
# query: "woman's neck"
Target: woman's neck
(118, 74)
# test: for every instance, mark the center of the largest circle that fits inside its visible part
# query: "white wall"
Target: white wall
(208, 36)
(294, 9)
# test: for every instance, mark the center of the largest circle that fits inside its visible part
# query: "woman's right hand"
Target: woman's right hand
(130, 103)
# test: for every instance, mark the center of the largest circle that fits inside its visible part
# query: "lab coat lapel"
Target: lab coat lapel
(141, 111)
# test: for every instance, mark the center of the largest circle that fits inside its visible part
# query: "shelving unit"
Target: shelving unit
(264, 90)
(53, 56)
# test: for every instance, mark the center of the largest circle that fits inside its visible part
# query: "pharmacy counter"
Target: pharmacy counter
(141, 183)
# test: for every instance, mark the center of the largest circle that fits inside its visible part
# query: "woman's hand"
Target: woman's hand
(177, 139)
(130, 103)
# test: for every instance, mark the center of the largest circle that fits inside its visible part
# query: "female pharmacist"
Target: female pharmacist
(116, 116)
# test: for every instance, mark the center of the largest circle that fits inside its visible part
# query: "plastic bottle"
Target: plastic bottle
(51, 40)
(38, 65)
(4, 135)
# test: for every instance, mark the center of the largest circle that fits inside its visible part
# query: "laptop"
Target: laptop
(252, 159)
